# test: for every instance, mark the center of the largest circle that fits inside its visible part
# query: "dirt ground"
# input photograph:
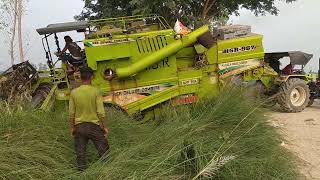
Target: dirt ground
(302, 137)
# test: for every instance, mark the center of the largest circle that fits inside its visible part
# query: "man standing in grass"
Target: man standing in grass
(87, 116)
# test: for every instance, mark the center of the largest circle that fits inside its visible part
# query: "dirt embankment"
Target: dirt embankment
(302, 134)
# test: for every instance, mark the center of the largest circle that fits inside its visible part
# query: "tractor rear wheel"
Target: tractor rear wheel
(294, 95)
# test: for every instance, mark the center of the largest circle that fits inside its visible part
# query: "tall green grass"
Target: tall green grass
(223, 138)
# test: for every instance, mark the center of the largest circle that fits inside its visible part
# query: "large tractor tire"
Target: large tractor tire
(294, 95)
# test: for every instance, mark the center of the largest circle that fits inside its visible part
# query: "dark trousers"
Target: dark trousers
(85, 132)
(68, 58)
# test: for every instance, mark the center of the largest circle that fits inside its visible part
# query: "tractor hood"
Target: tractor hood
(63, 27)
(296, 57)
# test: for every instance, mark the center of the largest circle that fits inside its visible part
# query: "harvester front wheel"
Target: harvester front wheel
(40, 95)
(294, 95)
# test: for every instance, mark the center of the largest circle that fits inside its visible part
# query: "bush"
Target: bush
(223, 138)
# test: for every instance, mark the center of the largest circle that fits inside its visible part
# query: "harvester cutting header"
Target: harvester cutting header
(140, 63)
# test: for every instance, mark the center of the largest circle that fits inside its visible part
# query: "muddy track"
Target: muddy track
(302, 136)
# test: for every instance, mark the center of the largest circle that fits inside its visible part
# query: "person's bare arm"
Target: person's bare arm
(72, 124)
(72, 115)
(102, 124)
(63, 50)
(101, 113)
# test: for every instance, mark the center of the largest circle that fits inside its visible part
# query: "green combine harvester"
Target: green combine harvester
(140, 63)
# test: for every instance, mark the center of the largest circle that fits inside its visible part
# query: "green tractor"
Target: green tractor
(290, 88)
(140, 63)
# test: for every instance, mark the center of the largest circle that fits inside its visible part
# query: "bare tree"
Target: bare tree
(8, 21)
(13, 33)
(11, 23)
(19, 17)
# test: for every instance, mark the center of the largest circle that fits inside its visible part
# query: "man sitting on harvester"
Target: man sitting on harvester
(75, 57)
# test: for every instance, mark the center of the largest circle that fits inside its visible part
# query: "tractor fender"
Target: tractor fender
(282, 79)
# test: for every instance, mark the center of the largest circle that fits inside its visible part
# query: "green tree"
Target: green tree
(98, 9)
(194, 12)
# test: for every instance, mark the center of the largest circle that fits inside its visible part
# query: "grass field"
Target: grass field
(223, 138)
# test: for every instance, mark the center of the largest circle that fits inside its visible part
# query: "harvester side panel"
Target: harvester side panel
(105, 53)
(240, 49)
(239, 55)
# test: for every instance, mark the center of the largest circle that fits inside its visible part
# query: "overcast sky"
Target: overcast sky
(40, 13)
(296, 27)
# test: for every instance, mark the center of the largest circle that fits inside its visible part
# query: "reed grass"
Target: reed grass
(227, 137)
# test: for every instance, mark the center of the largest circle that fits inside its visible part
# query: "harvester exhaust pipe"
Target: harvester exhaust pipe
(167, 51)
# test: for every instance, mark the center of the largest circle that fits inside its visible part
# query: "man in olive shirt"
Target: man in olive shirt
(87, 116)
